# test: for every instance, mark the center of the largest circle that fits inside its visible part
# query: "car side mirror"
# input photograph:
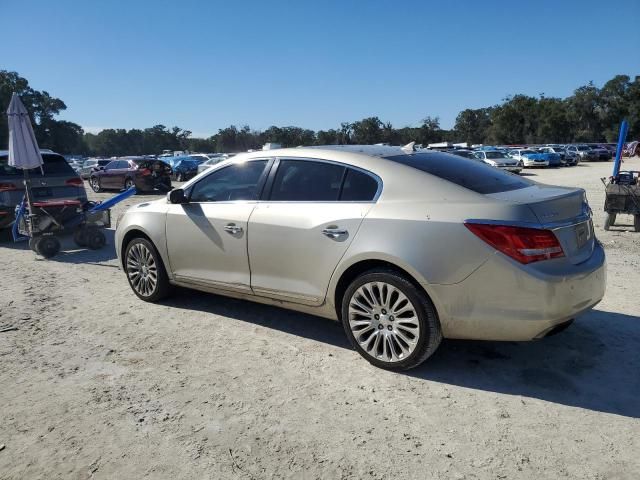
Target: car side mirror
(177, 196)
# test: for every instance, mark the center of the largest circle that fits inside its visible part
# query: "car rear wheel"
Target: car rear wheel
(145, 271)
(95, 184)
(389, 321)
(609, 220)
(128, 183)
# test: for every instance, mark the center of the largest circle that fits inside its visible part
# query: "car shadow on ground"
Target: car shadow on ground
(69, 251)
(592, 365)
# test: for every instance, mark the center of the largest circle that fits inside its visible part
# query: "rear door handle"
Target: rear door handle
(232, 228)
(334, 232)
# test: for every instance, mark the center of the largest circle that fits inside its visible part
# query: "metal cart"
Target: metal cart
(42, 222)
(622, 195)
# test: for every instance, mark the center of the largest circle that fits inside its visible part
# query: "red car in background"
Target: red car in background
(146, 174)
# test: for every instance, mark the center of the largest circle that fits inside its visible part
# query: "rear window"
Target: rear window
(53, 165)
(476, 176)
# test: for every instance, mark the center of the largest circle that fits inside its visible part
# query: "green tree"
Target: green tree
(583, 113)
(473, 125)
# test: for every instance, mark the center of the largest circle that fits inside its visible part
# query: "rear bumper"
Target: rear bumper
(503, 300)
(150, 183)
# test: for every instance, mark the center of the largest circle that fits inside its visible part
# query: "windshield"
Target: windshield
(494, 155)
(473, 175)
(527, 152)
(584, 148)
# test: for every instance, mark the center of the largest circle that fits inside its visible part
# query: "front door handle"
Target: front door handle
(232, 228)
(334, 232)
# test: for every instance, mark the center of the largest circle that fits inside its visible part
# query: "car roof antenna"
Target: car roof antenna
(409, 147)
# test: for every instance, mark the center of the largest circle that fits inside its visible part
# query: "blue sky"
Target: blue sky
(203, 65)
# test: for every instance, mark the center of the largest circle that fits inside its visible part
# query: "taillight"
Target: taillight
(7, 187)
(77, 181)
(145, 172)
(526, 245)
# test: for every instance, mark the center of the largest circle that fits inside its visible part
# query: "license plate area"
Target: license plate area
(42, 192)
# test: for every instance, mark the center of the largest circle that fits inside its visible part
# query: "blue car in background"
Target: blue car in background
(184, 167)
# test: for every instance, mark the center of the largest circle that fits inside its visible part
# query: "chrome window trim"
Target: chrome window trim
(332, 162)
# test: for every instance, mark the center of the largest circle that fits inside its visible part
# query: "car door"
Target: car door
(311, 212)
(106, 175)
(207, 237)
(119, 174)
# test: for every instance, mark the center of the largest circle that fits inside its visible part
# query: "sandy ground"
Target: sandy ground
(97, 384)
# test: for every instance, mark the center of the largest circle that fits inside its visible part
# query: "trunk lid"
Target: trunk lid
(563, 210)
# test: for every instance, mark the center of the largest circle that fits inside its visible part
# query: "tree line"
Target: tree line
(591, 114)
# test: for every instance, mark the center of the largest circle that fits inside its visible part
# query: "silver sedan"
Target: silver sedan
(404, 248)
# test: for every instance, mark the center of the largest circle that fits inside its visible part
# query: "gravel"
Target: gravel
(97, 384)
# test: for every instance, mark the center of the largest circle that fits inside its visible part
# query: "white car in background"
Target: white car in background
(498, 159)
(213, 159)
(529, 158)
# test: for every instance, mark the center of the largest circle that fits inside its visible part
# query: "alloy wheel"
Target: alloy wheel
(142, 269)
(384, 322)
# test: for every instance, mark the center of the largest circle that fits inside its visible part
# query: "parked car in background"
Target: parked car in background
(498, 159)
(213, 160)
(603, 153)
(146, 174)
(308, 220)
(584, 152)
(202, 157)
(59, 182)
(631, 149)
(89, 165)
(561, 152)
(530, 158)
(185, 168)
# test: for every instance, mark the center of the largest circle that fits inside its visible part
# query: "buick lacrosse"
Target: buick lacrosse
(404, 248)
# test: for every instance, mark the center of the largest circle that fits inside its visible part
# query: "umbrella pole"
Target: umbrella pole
(27, 186)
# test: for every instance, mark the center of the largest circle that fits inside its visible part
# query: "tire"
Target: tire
(137, 253)
(33, 244)
(80, 237)
(95, 239)
(609, 220)
(94, 182)
(636, 223)
(180, 177)
(412, 339)
(128, 183)
(48, 246)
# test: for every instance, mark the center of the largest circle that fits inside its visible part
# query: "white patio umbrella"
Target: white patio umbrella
(24, 153)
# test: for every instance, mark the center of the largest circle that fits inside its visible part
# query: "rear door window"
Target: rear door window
(307, 181)
(358, 187)
(476, 176)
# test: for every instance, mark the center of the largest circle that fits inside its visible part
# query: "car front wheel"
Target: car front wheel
(389, 321)
(145, 271)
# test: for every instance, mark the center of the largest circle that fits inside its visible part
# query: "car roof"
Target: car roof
(5, 153)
